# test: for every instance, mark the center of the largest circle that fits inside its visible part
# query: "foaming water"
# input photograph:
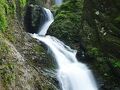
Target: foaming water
(71, 74)
(48, 20)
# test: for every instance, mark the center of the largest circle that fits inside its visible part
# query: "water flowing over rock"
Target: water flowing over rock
(71, 74)
(48, 20)
(34, 18)
(92, 27)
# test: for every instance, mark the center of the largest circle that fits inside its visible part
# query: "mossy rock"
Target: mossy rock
(67, 23)
(34, 18)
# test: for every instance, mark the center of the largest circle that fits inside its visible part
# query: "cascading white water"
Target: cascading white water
(71, 74)
(58, 2)
(47, 23)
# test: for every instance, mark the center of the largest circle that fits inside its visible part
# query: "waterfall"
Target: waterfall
(71, 74)
(48, 20)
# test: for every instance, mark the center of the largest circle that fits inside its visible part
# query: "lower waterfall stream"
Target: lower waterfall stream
(71, 74)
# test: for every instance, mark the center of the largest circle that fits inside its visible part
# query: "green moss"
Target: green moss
(6, 8)
(3, 9)
(116, 63)
(67, 22)
(10, 36)
(11, 10)
(94, 52)
(23, 3)
(117, 18)
(7, 11)
(7, 73)
(38, 49)
(3, 48)
(6, 64)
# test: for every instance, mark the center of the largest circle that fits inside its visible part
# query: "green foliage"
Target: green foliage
(38, 49)
(116, 63)
(6, 8)
(3, 22)
(7, 73)
(73, 6)
(23, 3)
(67, 22)
(3, 10)
(117, 18)
(6, 67)
(3, 48)
(94, 51)
(11, 10)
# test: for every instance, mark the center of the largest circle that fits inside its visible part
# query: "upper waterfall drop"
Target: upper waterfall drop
(48, 20)
(71, 74)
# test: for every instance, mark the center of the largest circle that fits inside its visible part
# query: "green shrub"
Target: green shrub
(67, 23)
(23, 3)
(6, 8)
(3, 11)
(116, 63)
(6, 64)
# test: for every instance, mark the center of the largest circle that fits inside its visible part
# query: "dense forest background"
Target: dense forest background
(91, 27)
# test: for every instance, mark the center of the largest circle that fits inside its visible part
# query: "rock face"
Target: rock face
(67, 22)
(14, 73)
(34, 17)
(22, 59)
(102, 17)
(90, 26)
(102, 32)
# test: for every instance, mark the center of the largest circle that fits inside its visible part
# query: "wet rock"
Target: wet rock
(34, 18)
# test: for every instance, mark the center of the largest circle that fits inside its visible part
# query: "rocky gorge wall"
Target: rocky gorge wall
(91, 27)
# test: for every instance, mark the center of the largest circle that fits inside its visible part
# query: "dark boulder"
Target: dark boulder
(34, 18)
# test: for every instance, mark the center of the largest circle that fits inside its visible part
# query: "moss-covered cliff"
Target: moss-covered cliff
(22, 60)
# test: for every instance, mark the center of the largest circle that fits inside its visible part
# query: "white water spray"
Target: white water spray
(71, 74)
(49, 20)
